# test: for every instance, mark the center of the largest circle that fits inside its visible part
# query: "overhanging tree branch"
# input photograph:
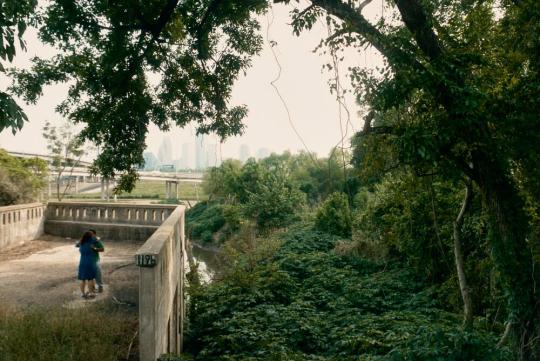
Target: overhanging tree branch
(416, 20)
(356, 22)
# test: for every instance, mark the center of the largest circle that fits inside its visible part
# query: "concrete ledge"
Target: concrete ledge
(107, 231)
(17, 207)
(20, 223)
(113, 205)
(161, 289)
(109, 213)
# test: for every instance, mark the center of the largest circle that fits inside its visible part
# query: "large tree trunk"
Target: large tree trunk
(510, 251)
(458, 254)
(502, 201)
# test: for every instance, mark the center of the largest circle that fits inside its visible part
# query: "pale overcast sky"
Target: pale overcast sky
(303, 84)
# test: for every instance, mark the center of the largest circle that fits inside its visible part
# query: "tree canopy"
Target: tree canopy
(21, 180)
(130, 64)
(14, 19)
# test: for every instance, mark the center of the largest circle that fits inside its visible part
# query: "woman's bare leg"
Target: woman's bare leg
(91, 286)
(83, 286)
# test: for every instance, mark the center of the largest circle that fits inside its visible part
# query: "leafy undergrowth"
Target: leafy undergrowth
(203, 220)
(306, 302)
(97, 333)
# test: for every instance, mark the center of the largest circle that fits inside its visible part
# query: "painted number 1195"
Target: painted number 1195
(146, 260)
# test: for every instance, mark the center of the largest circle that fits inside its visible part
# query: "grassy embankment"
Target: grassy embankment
(302, 294)
(96, 333)
(299, 296)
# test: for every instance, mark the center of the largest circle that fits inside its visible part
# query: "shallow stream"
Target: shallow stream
(208, 260)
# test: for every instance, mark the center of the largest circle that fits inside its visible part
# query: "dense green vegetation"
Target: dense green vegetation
(21, 180)
(373, 279)
(269, 194)
(204, 220)
(334, 216)
(299, 299)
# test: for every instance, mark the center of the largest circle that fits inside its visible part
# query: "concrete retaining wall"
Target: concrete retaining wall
(161, 259)
(112, 221)
(20, 223)
(161, 288)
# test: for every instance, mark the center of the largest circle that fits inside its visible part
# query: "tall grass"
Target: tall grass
(96, 333)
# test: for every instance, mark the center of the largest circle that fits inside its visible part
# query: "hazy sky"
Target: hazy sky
(303, 84)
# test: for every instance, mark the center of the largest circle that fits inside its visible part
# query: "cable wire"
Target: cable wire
(270, 21)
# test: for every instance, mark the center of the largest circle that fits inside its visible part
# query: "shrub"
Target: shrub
(233, 216)
(21, 180)
(203, 220)
(334, 216)
(275, 202)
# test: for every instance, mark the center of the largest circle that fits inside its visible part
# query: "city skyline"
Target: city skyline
(206, 155)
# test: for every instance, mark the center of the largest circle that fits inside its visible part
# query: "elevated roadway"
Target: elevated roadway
(83, 170)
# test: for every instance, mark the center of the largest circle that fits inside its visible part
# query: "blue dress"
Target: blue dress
(87, 264)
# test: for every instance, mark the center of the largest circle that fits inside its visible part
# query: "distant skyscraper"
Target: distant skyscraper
(179, 164)
(211, 155)
(244, 153)
(150, 161)
(165, 151)
(186, 156)
(200, 153)
(263, 153)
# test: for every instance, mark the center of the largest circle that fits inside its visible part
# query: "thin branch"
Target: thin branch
(337, 34)
(460, 264)
(303, 12)
(506, 334)
(284, 103)
(363, 5)
(131, 344)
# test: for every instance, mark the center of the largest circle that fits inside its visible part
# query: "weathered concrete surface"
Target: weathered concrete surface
(161, 289)
(20, 223)
(114, 221)
(44, 273)
(110, 231)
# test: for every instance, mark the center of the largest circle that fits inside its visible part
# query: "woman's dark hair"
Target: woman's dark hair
(87, 237)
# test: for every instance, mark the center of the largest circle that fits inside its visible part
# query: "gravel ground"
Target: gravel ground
(44, 273)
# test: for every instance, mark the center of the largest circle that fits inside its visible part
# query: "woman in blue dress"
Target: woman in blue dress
(87, 264)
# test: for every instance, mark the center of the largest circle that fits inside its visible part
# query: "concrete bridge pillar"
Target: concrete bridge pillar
(169, 189)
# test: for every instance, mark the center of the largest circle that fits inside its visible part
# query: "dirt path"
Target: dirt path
(44, 273)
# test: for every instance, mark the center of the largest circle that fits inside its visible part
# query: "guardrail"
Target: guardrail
(20, 223)
(161, 289)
